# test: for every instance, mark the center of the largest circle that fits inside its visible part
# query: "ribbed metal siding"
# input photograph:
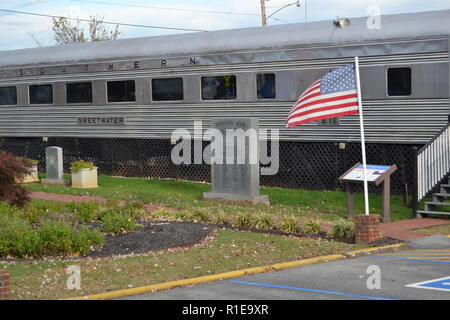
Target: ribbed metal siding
(400, 121)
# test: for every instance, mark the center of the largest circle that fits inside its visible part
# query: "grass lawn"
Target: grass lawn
(322, 205)
(225, 250)
(444, 230)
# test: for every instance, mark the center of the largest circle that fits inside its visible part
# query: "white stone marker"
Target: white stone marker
(54, 166)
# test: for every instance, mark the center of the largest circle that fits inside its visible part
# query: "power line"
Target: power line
(167, 8)
(174, 9)
(104, 22)
(177, 9)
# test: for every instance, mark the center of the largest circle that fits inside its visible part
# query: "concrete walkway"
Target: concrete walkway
(397, 230)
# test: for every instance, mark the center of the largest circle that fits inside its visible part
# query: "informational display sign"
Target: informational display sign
(373, 173)
(376, 174)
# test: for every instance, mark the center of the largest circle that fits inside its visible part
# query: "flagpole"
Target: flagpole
(363, 142)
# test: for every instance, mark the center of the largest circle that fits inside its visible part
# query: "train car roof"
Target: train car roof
(399, 26)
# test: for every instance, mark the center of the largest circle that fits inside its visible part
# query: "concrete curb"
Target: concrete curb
(228, 275)
(375, 249)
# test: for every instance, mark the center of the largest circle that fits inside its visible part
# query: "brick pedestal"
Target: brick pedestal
(4, 285)
(367, 228)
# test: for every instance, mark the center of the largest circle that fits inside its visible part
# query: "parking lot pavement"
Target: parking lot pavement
(418, 272)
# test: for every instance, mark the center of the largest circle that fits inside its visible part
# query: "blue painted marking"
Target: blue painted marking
(441, 284)
(409, 259)
(374, 167)
(310, 290)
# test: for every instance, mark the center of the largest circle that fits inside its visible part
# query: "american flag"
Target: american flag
(332, 96)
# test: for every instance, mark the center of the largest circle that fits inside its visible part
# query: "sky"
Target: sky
(24, 31)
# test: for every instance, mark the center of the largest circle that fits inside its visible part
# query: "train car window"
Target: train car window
(80, 92)
(167, 89)
(122, 91)
(8, 96)
(265, 84)
(219, 88)
(399, 81)
(41, 94)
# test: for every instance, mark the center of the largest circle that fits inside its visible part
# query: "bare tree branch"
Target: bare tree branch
(66, 32)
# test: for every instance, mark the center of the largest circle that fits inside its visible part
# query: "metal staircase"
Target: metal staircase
(437, 205)
(432, 174)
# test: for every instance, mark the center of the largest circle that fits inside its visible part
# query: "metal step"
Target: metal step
(445, 188)
(438, 203)
(438, 197)
(428, 212)
(432, 206)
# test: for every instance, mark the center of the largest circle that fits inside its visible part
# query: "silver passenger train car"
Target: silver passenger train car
(117, 102)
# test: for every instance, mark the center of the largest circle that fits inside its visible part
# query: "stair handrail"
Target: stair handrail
(432, 164)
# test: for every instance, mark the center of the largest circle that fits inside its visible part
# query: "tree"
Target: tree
(66, 31)
(11, 169)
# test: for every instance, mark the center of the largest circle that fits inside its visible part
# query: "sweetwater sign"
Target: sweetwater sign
(102, 121)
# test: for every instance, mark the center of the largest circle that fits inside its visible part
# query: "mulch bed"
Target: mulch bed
(154, 236)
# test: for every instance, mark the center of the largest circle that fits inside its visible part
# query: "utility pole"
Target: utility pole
(263, 12)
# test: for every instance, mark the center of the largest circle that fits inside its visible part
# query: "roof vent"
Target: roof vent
(341, 22)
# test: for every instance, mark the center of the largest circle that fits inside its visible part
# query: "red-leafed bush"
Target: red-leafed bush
(12, 168)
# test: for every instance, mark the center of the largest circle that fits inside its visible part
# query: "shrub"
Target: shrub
(66, 218)
(17, 238)
(290, 225)
(54, 235)
(12, 168)
(342, 229)
(58, 238)
(312, 227)
(86, 212)
(161, 214)
(243, 220)
(220, 218)
(7, 209)
(85, 238)
(118, 223)
(55, 238)
(181, 215)
(263, 222)
(77, 166)
(200, 215)
(34, 212)
(136, 209)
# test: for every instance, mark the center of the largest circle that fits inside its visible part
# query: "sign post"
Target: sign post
(375, 174)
